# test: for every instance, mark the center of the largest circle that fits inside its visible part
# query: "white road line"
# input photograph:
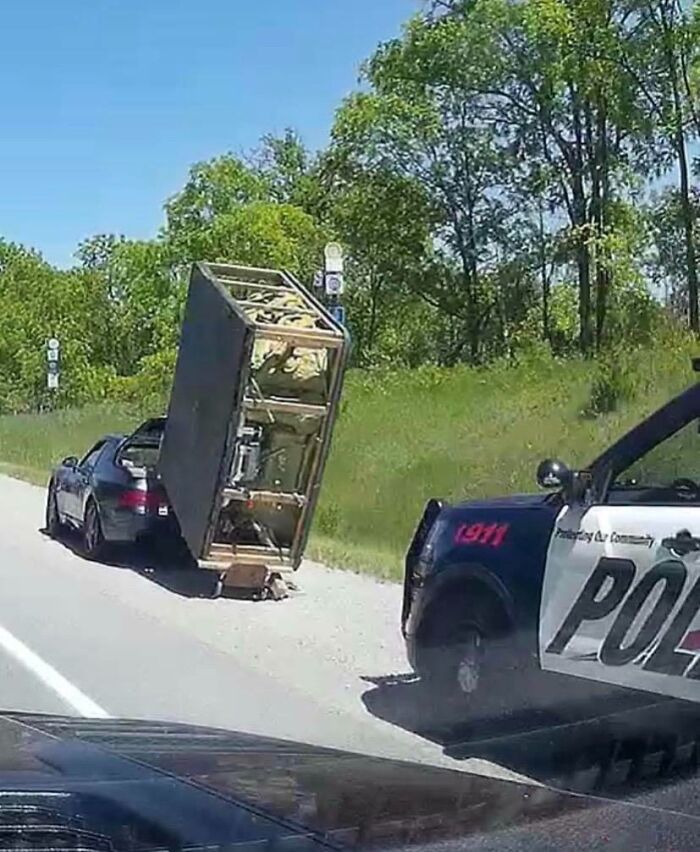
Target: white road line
(48, 675)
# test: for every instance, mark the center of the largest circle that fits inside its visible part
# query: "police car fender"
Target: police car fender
(621, 599)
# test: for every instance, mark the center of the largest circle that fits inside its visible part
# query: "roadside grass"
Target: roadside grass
(405, 436)
(458, 434)
(31, 444)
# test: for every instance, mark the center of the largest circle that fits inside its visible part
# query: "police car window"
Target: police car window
(668, 473)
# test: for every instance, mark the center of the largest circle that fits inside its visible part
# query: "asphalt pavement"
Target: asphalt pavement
(133, 639)
(142, 640)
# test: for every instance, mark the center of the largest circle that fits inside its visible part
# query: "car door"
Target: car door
(621, 595)
(79, 481)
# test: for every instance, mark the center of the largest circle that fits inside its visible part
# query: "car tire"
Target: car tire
(461, 659)
(93, 538)
(53, 519)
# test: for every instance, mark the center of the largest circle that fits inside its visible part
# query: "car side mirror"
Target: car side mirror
(70, 461)
(551, 473)
(576, 485)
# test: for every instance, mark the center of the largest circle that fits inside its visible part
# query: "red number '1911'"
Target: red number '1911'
(492, 535)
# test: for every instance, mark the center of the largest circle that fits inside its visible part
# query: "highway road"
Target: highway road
(327, 666)
(123, 640)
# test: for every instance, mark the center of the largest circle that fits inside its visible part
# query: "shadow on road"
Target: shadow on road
(621, 746)
(167, 566)
(404, 700)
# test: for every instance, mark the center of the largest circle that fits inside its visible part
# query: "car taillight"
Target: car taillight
(140, 501)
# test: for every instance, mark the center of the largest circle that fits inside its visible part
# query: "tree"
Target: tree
(290, 172)
(666, 263)
(213, 188)
(660, 55)
(38, 302)
(421, 122)
(231, 211)
(384, 224)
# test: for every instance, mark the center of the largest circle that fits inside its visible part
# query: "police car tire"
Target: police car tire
(456, 624)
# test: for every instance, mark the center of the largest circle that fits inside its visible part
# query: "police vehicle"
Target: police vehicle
(598, 579)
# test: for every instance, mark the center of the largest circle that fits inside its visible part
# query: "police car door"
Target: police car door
(621, 595)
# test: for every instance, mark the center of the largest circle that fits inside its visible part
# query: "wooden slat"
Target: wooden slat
(253, 557)
(265, 496)
(280, 309)
(272, 288)
(220, 549)
(308, 337)
(249, 273)
(260, 548)
(227, 554)
(287, 406)
(225, 548)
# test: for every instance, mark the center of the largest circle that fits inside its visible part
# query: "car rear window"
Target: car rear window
(143, 455)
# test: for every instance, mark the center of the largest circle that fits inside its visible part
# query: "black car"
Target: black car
(112, 494)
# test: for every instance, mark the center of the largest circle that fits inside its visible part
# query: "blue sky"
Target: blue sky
(106, 103)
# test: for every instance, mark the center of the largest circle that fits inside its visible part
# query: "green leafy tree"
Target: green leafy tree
(290, 172)
(213, 188)
(383, 221)
(662, 52)
(421, 122)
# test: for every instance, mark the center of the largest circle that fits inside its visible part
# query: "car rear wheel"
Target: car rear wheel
(53, 519)
(93, 537)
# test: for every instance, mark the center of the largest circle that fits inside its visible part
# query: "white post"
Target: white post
(333, 279)
(53, 356)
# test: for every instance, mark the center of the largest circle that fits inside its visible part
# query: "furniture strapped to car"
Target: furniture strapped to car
(254, 399)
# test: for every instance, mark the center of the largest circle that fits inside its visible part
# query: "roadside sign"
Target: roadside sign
(52, 381)
(53, 344)
(318, 280)
(52, 368)
(334, 283)
(52, 355)
(333, 254)
(338, 313)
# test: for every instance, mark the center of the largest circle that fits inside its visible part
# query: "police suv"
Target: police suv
(599, 578)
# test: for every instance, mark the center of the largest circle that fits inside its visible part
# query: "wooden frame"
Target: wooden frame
(242, 563)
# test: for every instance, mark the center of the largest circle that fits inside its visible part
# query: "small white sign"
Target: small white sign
(52, 354)
(318, 280)
(52, 381)
(53, 344)
(334, 283)
(333, 254)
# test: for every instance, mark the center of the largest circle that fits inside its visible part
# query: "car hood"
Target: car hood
(145, 785)
(509, 501)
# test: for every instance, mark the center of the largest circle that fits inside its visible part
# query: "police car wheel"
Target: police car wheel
(455, 659)
(455, 665)
(469, 663)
